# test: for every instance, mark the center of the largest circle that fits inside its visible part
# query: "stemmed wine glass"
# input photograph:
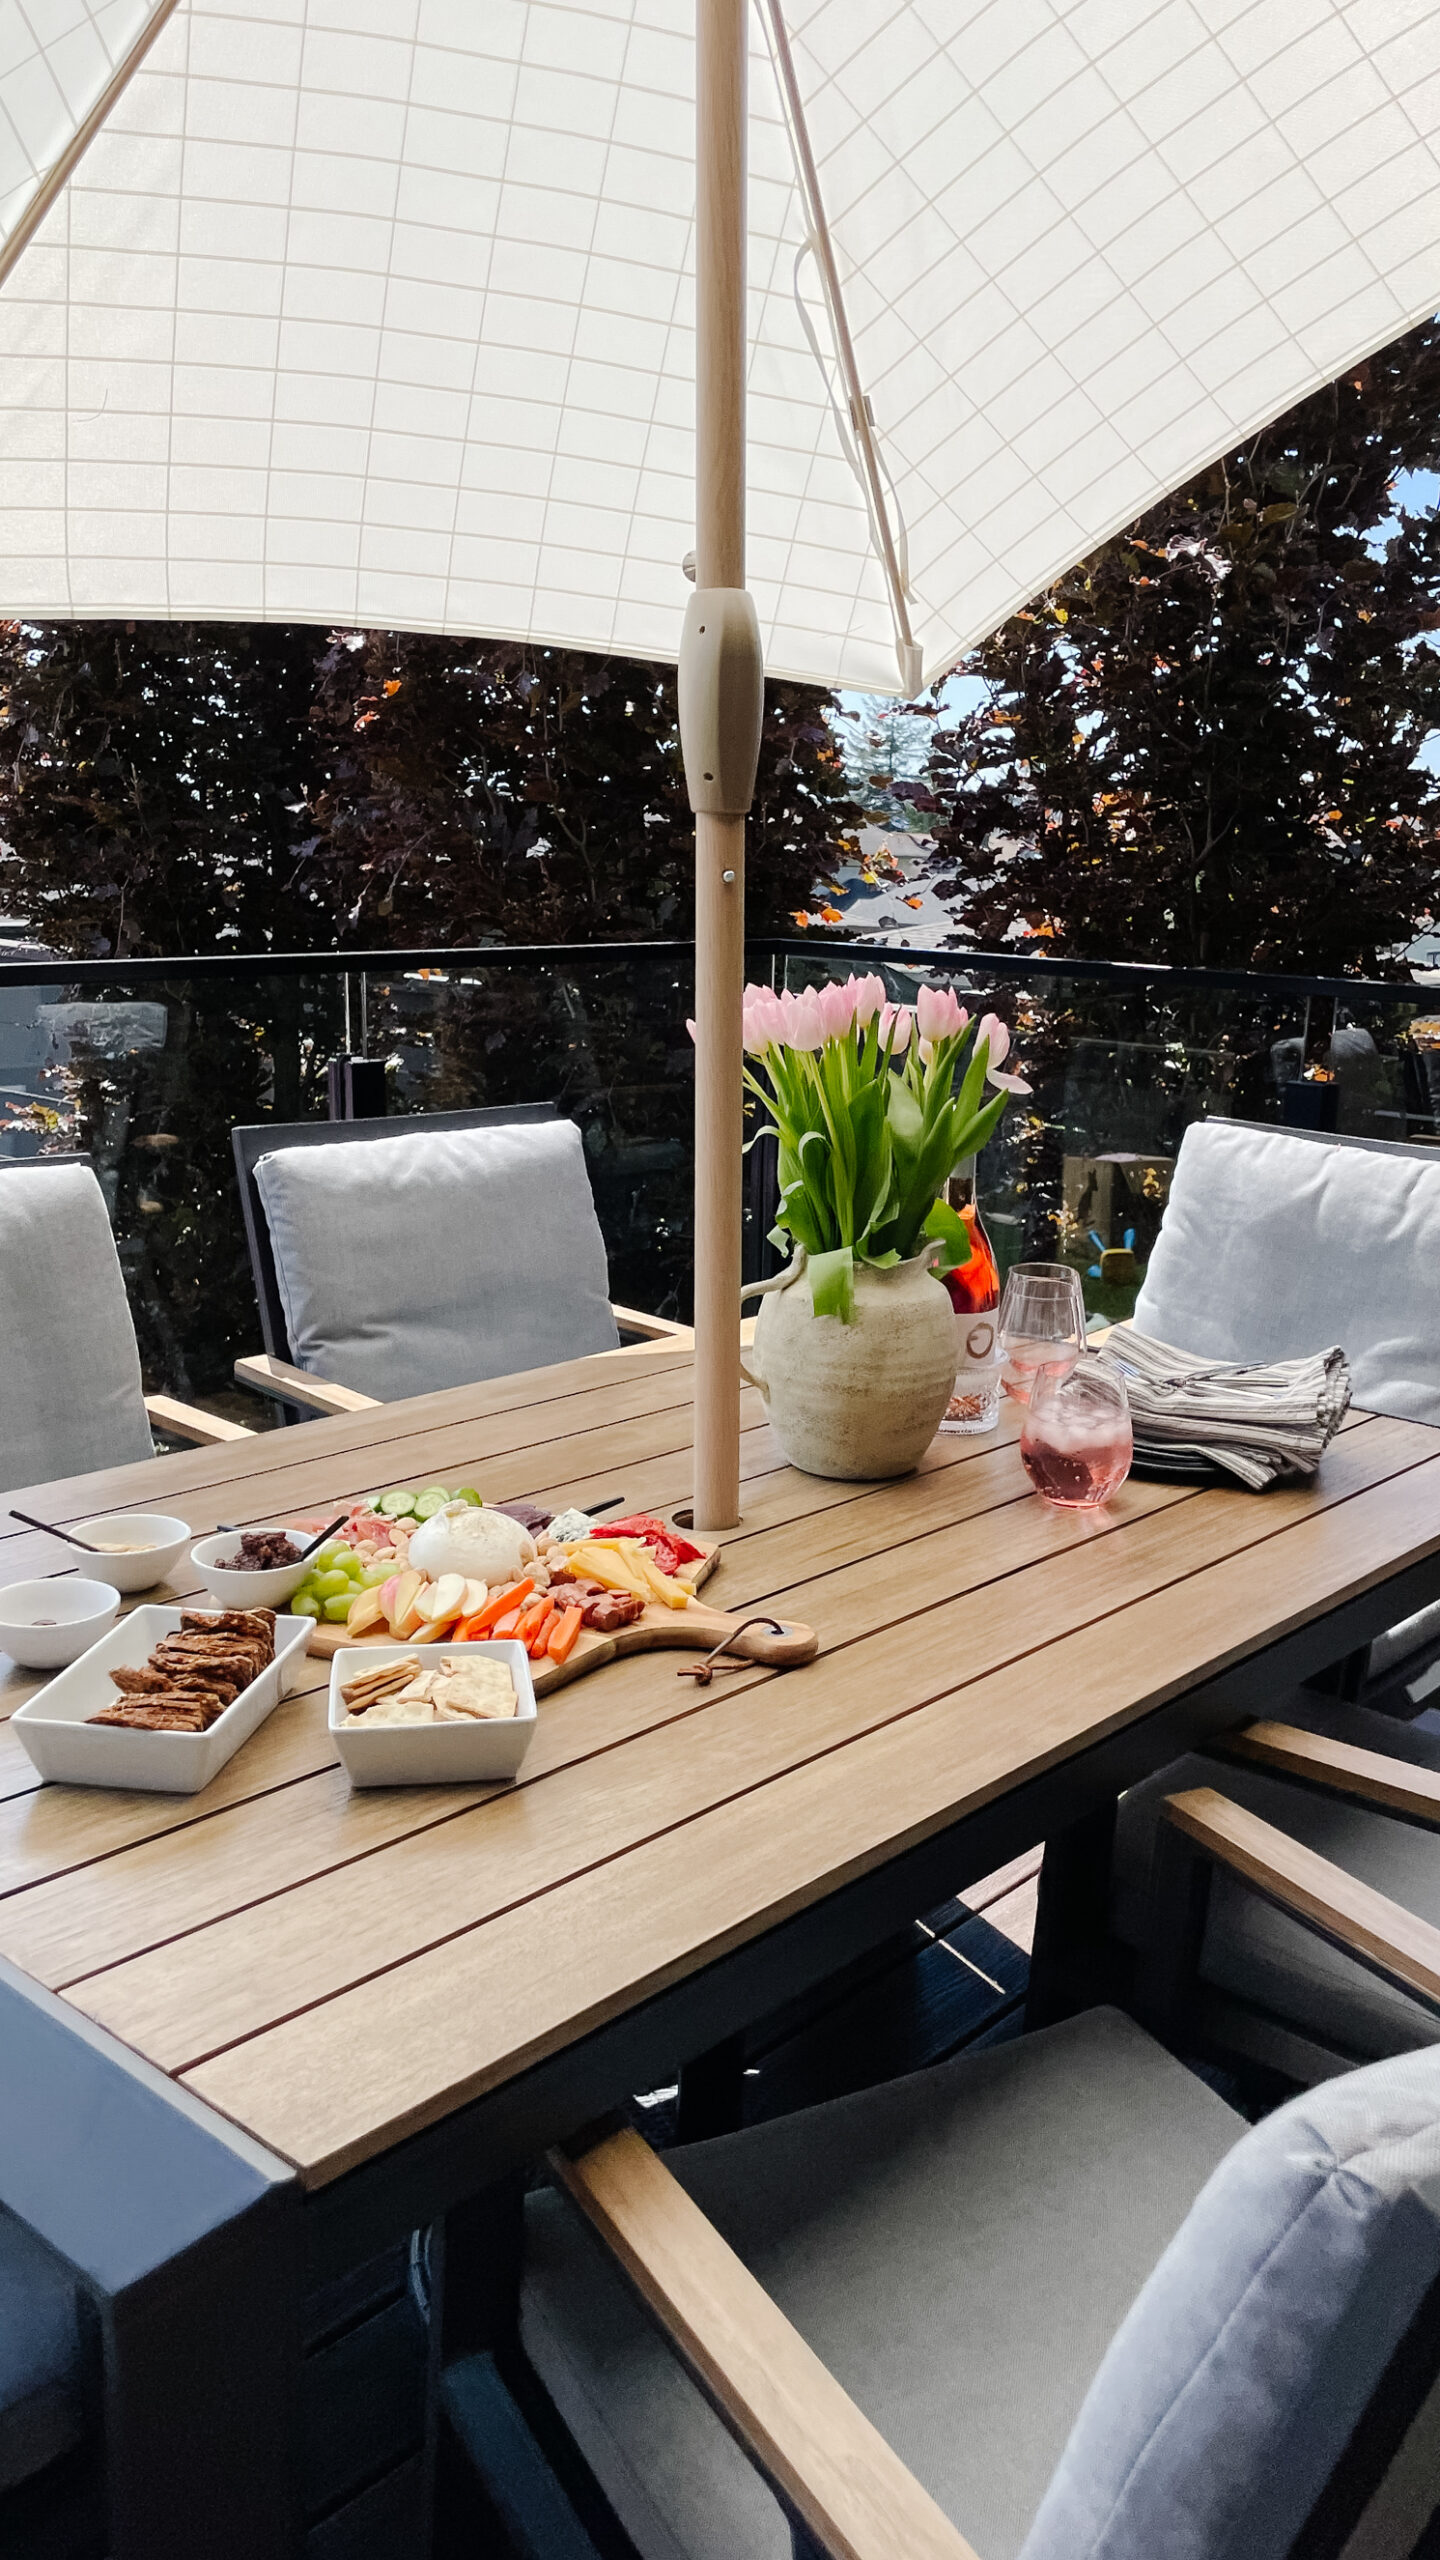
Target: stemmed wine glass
(1076, 1441)
(1042, 1324)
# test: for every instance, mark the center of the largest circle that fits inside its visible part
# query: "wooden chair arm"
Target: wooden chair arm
(187, 1422)
(852, 2491)
(1382, 1933)
(1372, 1777)
(651, 1328)
(296, 1386)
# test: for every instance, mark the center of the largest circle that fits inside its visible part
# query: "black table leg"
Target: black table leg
(1072, 1917)
(712, 2092)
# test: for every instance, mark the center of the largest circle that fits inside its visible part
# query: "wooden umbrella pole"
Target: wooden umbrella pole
(720, 103)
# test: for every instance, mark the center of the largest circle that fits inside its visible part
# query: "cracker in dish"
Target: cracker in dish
(458, 1689)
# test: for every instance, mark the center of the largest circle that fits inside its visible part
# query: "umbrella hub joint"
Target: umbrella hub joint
(722, 700)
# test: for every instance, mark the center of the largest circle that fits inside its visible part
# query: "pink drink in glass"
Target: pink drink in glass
(1025, 1360)
(1076, 1443)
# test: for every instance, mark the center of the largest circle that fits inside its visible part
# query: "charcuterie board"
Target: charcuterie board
(773, 1643)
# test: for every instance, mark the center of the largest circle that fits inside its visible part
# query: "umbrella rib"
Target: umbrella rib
(865, 453)
(80, 140)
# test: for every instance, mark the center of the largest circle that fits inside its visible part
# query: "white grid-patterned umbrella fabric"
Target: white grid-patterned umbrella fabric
(380, 311)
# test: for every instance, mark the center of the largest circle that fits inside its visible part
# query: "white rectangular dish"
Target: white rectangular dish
(431, 1755)
(63, 1745)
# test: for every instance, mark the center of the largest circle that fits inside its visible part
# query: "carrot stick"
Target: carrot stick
(564, 1633)
(507, 1626)
(484, 1621)
(540, 1631)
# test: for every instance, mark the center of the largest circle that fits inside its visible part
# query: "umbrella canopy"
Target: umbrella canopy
(382, 311)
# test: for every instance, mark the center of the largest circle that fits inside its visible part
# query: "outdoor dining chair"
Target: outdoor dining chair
(1276, 1242)
(71, 1397)
(51, 2497)
(1052, 2300)
(396, 1257)
(1359, 1789)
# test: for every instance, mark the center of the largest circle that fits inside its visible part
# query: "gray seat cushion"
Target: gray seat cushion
(70, 1391)
(43, 2372)
(434, 1257)
(1258, 1955)
(1241, 2380)
(1319, 1242)
(958, 2246)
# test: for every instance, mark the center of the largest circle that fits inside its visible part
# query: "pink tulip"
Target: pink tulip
(993, 1030)
(690, 1027)
(805, 1023)
(763, 1019)
(896, 1024)
(869, 997)
(837, 1010)
(939, 1013)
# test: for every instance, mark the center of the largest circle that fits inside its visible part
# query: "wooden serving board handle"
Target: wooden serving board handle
(697, 1630)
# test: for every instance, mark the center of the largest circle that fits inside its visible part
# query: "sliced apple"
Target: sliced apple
(365, 1612)
(387, 1595)
(476, 1595)
(404, 1617)
(443, 1599)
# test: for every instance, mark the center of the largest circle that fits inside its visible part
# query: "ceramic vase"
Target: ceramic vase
(859, 1400)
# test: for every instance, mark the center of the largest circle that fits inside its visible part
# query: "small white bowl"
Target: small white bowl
(79, 1612)
(65, 1747)
(248, 1590)
(431, 1755)
(162, 1541)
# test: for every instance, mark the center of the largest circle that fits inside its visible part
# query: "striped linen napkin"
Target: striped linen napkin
(1263, 1422)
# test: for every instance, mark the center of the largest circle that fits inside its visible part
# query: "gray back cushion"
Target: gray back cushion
(70, 1393)
(427, 1260)
(1239, 2376)
(1275, 1244)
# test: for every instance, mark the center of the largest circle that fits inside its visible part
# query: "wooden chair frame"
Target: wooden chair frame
(274, 1372)
(834, 2473)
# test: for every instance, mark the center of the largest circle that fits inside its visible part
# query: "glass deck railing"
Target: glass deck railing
(145, 1066)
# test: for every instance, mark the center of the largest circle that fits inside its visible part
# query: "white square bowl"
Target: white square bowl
(431, 1755)
(63, 1745)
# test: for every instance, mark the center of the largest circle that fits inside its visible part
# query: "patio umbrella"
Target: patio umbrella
(386, 311)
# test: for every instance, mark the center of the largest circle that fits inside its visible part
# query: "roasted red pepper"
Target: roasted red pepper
(667, 1546)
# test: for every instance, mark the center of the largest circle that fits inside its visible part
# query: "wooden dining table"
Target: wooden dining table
(386, 2002)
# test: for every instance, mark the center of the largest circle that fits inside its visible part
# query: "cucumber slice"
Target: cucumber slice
(398, 1503)
(467, 1493)
(433, 1499)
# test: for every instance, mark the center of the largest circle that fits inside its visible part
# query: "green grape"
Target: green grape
(331, 1586)
(349, 1562)
(305, 1605)
(467, 1493)
(338, 1610)
(327, 1555)
(374, 1574)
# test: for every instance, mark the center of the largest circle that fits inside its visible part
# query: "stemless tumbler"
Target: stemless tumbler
(1042, 1324)
(1076, 1442)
